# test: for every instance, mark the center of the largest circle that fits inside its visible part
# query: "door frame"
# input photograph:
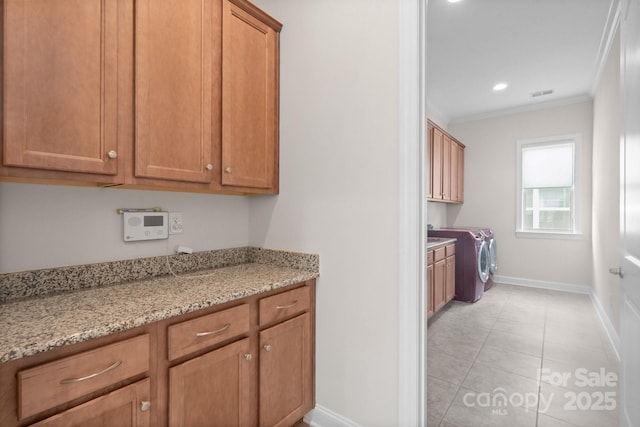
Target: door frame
(412, 310)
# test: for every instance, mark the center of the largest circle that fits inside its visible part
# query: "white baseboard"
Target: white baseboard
(614, 338)
(323, 417)
(570, 287)
(556, 286)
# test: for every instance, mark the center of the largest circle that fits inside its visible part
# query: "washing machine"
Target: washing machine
(472, 262)
(492, 246)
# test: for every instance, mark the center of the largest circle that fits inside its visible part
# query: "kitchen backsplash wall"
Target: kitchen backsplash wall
(43, 226)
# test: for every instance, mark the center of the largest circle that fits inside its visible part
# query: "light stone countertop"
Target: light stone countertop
(36, 324)
(436, 242)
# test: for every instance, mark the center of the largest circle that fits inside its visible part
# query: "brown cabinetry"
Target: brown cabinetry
(286, 357)
(64, 71)
(212, 389)
(125, 407)
(430, 287)
(103, 382)
(249, 97)
(441, 269)
(176, 72)
(162, 95)
(245, 363)
(446, 166)
(450, 272)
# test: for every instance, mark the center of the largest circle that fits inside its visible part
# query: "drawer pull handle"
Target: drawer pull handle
(145, 405)
(88, 377)
(204, 334)
(282, 307)
(267, 347)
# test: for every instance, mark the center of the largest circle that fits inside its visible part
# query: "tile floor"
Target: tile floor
(485, 361)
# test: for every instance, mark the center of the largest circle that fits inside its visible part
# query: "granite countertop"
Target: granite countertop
(39, 323)
(436, 242)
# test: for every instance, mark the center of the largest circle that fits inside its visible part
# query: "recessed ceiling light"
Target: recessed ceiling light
(453, 1)
(500, 86)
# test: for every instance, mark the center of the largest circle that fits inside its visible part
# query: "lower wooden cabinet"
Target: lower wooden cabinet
(286, 377)
(441, 277)
(430, 296)
(126, 407)
(450, 274)
(213, 389)
(244, 363)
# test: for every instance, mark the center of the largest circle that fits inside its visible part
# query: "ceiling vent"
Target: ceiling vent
(541, 93)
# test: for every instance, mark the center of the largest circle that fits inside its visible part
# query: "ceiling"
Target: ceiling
(532, 45)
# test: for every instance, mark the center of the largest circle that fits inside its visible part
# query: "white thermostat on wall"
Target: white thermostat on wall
(145, 226)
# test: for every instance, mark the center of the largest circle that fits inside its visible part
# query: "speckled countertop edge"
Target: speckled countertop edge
(442, 241)
(37, 324)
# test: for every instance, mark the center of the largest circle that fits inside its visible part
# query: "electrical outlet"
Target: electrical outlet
(175, 223)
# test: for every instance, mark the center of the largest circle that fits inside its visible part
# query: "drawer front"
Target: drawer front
(46, 386)
(202, 332)
(450, 250)
(439, 254)
(429, 257)
(284, 305)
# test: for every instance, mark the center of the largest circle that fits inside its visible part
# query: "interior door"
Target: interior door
(630, 215)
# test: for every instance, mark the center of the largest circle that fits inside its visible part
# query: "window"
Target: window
(548, 187)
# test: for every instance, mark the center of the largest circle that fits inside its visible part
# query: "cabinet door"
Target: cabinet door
(61, 83)
(175, 71)
(453, 171)
(121, 408)
(430, 288)
(286, 372)
(436, 163)
(450, 278)
(460, 169)
(430, 159)
(212, 389)
(249, 97)
(439, 290)
(446, 168)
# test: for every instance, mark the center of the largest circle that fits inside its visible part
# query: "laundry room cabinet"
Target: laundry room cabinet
(151, 94)
(446, 166)
(441, 280)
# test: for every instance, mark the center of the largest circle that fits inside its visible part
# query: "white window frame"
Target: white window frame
(577, 187)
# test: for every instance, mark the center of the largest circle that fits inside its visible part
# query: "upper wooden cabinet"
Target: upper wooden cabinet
(446, 166)
(167, 95)
(177, 65)
(249, 96)
(62, 85)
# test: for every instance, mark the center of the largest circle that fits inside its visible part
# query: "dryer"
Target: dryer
(472, 262)
(489, 237)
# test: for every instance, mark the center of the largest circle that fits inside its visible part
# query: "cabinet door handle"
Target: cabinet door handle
(228, 170)
(204, 334)
(145, 405)
(282, 307)
(112, 154)
(267, 347)
(88, 377)
(209, 167)
(248, 356)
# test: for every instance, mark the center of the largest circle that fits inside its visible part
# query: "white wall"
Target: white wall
(490, 192)
(606, 186)
(339, 192)
(45, 226)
